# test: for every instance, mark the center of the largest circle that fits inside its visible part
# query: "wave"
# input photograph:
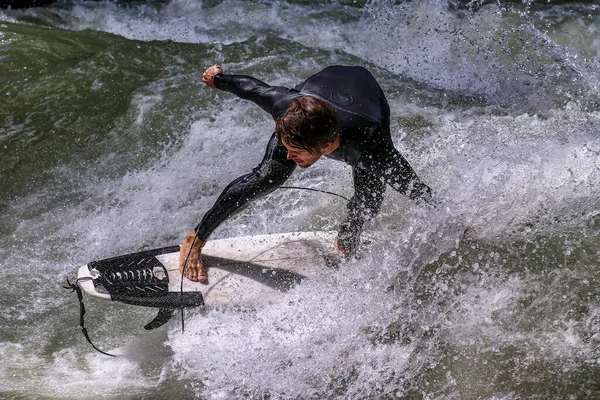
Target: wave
(112, 144)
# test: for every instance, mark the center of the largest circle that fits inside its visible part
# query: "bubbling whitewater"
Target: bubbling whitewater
(111, 144)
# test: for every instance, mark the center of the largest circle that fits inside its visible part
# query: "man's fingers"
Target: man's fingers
(340, 247)
(209, 75)
(209, 83)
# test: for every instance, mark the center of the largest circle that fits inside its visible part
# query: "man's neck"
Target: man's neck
(331, 147)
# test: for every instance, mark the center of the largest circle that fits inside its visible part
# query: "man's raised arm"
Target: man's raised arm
(247, 88)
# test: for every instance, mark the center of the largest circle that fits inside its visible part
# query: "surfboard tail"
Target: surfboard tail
(138, 279)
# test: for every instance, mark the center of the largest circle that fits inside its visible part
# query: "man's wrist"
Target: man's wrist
(216, 79)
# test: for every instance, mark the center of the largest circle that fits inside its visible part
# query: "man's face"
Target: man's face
(303, 158)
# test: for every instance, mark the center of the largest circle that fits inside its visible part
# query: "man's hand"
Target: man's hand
(341, 248)
(194, 270)
(208, 76)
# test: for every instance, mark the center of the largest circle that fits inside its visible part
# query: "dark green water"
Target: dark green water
(110, 143)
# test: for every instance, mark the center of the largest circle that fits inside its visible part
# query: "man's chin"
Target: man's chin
(303, 165)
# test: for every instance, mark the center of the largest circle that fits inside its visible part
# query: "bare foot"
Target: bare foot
(190, 259)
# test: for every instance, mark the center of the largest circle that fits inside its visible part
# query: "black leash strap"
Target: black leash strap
(315, 190)
(77, 289)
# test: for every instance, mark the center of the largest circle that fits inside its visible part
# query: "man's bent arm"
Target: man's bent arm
(364, 205)
(401, 177)
(388, 166)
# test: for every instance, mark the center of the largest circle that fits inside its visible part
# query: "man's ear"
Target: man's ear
(328, 148)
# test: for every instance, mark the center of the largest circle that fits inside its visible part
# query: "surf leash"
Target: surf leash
(75, 288)
(314, 190)
(187, 257)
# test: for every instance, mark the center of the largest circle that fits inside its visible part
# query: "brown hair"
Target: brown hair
(308, 123)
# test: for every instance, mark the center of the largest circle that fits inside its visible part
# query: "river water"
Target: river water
(110, 143)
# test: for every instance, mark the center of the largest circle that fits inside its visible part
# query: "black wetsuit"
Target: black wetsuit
(366, 144)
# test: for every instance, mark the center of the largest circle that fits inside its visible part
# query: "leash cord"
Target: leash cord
(75, 287)
(314, 190)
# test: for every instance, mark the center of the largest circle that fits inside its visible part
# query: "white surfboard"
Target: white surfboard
(241, 271)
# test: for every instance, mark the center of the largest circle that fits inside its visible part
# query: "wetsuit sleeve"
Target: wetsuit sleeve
(385, 158)
(271, 173)
(398, 173)
(386, 166)
(265, 96)
(364, 205)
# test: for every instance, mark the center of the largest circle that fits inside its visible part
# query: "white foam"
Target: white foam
(518, 171)
(295, 343)
(501, 177)
(494, 52)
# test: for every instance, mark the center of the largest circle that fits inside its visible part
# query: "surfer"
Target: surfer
(340, 113)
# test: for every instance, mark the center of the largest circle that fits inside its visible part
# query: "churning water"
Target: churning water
(110, 143)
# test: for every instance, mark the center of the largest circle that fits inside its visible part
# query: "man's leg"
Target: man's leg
(271, 173)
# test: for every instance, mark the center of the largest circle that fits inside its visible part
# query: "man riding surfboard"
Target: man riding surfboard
(340, 113)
